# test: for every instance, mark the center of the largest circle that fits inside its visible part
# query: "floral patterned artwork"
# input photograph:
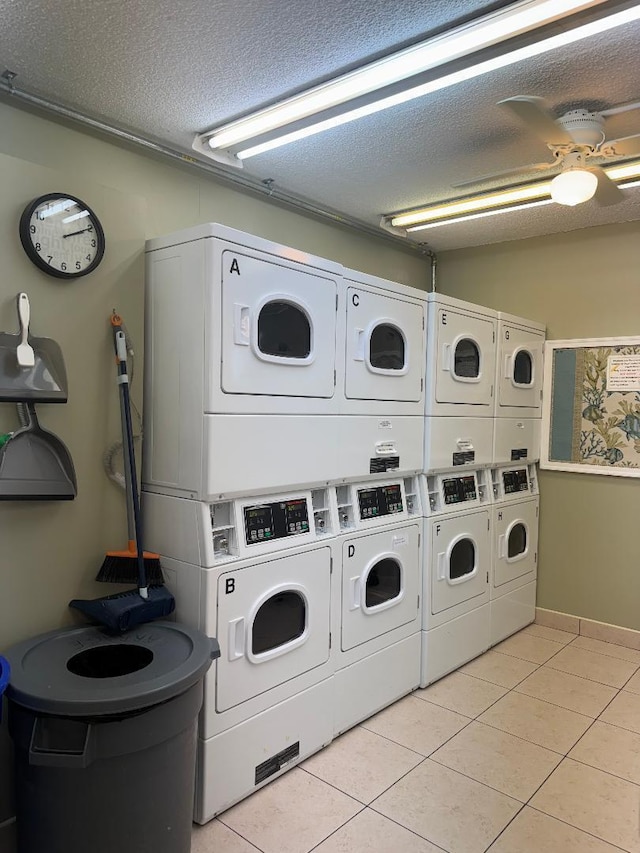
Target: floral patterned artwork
(609, 421)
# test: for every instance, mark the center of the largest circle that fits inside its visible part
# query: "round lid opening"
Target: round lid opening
(110, 661)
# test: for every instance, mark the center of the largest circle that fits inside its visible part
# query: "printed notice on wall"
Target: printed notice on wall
(623, 373)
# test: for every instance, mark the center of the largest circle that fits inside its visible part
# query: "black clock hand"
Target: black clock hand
(73, 233)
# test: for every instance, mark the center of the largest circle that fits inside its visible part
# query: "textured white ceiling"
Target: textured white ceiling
(167, 71)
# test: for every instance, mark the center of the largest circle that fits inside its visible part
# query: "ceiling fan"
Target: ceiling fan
(579, 146)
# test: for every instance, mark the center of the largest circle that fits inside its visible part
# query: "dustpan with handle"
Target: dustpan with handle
(43, 377)
(35, 464)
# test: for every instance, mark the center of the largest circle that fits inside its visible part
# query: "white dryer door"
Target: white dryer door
(516, 541)
(273, 624)
(380, 583)
(459, 560)
(383, 347)
(278, 329)
(465, 358)
(520, 367)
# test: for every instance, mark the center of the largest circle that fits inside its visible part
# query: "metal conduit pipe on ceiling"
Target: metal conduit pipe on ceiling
(9, 92)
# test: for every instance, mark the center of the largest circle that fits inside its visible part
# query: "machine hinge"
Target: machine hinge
(535, 557)
(329, 639)
(419, 539)
(423, 321)
(494, 337)
(336, 301)
(537, 511)
(334, 378)
(541, 393)
(421, 384)
(488, 524)
(487, 577)
(492, 390)
(418, 602)
(331, 565)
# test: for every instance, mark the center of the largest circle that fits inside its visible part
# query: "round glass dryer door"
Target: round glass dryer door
(380, 583)
(516, 542)
(278, 330)
(459, 559)
(284, 330)
(466, 359)
(523, 368)
(385, 347)
(273, 624)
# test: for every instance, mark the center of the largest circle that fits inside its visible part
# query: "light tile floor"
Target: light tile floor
(532, 748)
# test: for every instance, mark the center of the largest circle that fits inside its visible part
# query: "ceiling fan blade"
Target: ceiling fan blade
(626, 145)
(621, 108)
(519, 170)
(534, 112)
(607, 192)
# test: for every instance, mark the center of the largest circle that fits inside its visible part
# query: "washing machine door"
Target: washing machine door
(459, 560)
(278, 329)
(383, 347)
(465, 358)
(520, 367)
(380, 583)
(516, 541)
(273, 624)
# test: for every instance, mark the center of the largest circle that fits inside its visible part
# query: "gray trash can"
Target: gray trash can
(105, 733)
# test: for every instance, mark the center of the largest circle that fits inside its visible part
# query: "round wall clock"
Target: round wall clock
(62, 235)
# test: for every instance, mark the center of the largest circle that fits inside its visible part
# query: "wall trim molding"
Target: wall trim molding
(603, 631)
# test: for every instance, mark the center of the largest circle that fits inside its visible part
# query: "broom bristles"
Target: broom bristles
(122, 567)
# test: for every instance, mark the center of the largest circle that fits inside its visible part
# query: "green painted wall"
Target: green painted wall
(50, 552)
(583, 284)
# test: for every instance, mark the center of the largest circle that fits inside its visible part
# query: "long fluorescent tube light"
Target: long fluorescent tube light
(527, 52)
(466, 40)
(469, 216)
(502, 201)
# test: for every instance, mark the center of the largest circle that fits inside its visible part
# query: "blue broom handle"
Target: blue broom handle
(123, 382)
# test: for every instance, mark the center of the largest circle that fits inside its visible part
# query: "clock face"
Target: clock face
(62, 235)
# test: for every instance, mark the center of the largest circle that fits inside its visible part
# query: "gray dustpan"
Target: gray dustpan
(45, 381)
(36, 465)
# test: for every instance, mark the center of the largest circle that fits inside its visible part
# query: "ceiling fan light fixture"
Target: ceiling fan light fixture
(573, 186)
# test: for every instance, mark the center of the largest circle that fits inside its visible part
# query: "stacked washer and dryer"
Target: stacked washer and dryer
(321, 480)
(284, 401)
(514, 476)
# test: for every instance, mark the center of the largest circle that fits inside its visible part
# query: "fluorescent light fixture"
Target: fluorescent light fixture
(537, 193)
(528, 205)
(487, 201)
(310, 107)
(574, 186)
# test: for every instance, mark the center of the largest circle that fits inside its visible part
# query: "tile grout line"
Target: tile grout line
(586, 832)
(235, 832)
(333, 832)
(600, 769)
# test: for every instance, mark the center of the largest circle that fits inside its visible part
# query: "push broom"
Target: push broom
(122, 566)
(126, 610)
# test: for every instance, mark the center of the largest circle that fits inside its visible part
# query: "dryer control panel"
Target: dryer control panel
(515, 481)
(268, 521)
(457, 490)
(380, 501)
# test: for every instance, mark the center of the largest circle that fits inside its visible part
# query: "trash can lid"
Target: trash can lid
(85, 671)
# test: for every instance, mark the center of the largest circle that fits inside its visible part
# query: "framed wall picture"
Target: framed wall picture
(591, 406)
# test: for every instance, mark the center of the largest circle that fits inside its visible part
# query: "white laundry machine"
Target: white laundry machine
(519, 373)
(256, 574)
(241, 368)
(376, 597)
(515, 549)
(461, 357)
(457, 563)
(519, 367)
(382, 398)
